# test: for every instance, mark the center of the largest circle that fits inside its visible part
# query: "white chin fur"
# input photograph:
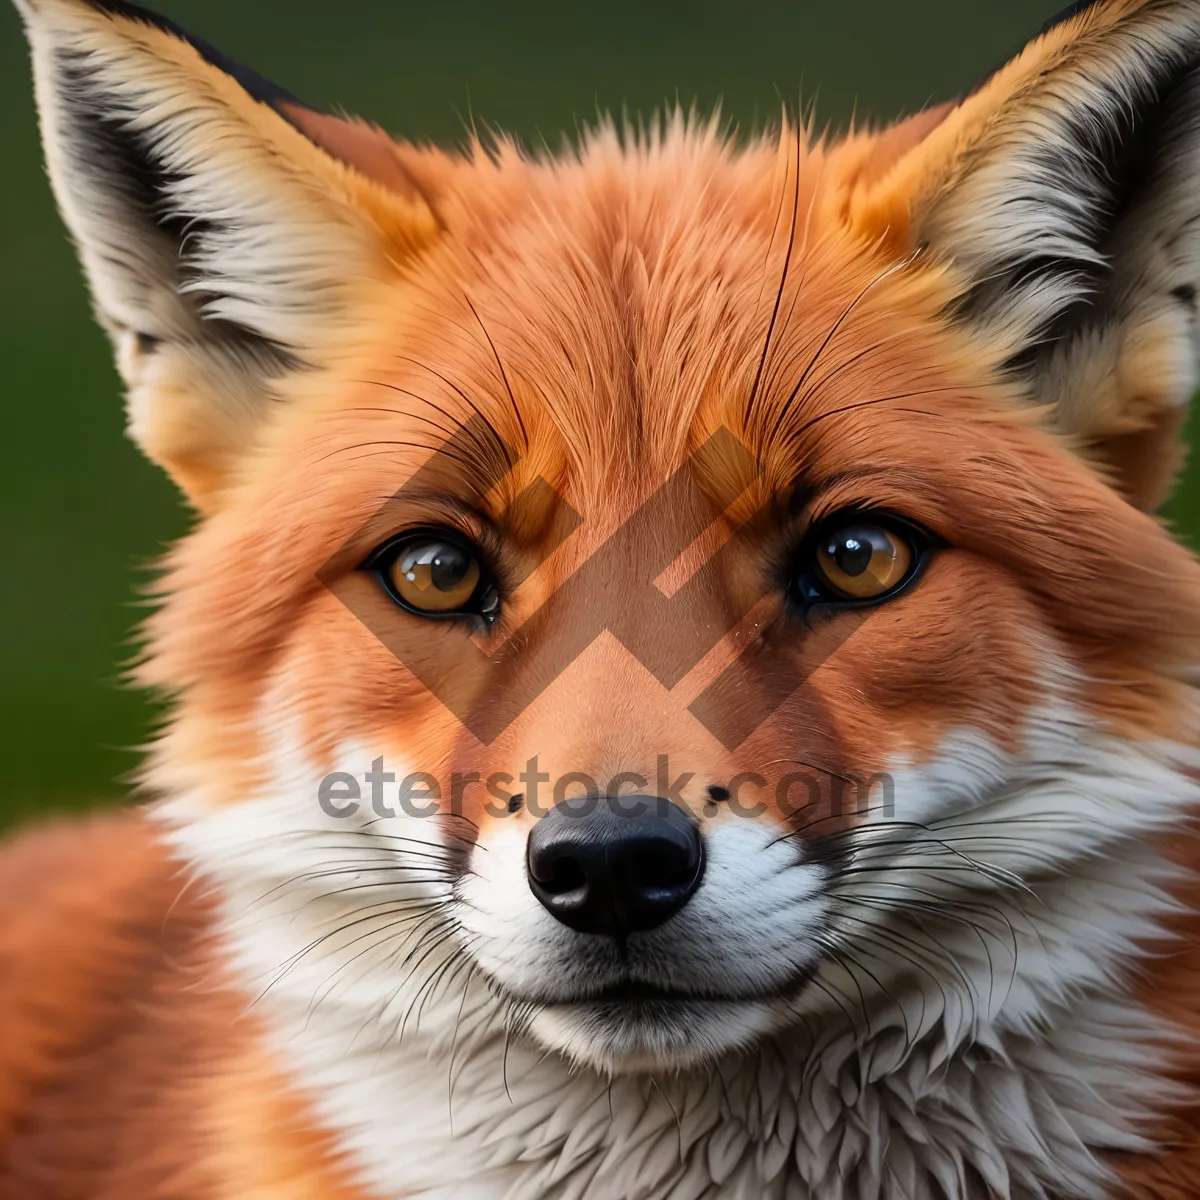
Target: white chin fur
(650, 1036)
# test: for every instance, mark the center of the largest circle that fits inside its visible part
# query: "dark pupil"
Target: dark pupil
(449, 567)
(852, 551)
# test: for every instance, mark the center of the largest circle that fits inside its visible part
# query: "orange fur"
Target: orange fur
(129, 1064)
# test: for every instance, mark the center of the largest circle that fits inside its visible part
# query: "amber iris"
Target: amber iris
(435, 576)
(863, 561)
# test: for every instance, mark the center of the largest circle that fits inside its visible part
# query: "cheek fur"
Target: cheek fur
(960, 650)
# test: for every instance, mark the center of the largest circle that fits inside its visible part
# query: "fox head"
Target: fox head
(678, 594)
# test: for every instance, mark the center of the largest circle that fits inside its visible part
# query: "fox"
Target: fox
(677, 684)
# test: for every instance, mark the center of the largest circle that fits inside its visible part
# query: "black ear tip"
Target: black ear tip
(254, 84)
(133, 12)
(1072, 10)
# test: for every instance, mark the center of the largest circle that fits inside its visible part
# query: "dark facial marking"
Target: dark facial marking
(255, 85)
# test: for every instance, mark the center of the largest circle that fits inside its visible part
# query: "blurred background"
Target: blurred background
(83, 517)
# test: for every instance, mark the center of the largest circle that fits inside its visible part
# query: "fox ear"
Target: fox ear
(226, 231)
(1065, 192)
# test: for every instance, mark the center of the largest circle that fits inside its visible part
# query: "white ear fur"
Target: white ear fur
(223, 247)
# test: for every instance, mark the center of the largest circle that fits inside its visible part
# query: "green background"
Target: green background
(83, 516)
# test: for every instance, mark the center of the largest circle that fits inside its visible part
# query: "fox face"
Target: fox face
(677, 601)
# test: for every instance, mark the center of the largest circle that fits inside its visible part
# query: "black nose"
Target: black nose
(615, 865)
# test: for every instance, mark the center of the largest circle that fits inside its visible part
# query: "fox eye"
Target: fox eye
(435, 575)
(860, 557)
(863, 562)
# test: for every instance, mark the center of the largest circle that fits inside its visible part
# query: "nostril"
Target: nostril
(560, 875)
(662, 868)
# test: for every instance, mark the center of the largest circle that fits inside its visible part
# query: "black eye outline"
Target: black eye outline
(484, 603)
(806, 585)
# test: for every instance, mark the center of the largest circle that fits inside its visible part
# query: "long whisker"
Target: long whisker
(461, 393)
(381, 935)
(407, 414)
(886, 273)
(787, 260)
(289, 964)
(500, 366)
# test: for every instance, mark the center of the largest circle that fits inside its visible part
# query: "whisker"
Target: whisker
(873, 935)
(845, 408)
(401, 412)
(381, 935)
(942, 912)
(500, 366)
(787, 260)
(886, 273)
(678, 1122)
(463, 962)
(862, 998)
(289, 964)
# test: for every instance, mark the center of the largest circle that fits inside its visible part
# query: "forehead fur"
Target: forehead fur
(623, 301)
